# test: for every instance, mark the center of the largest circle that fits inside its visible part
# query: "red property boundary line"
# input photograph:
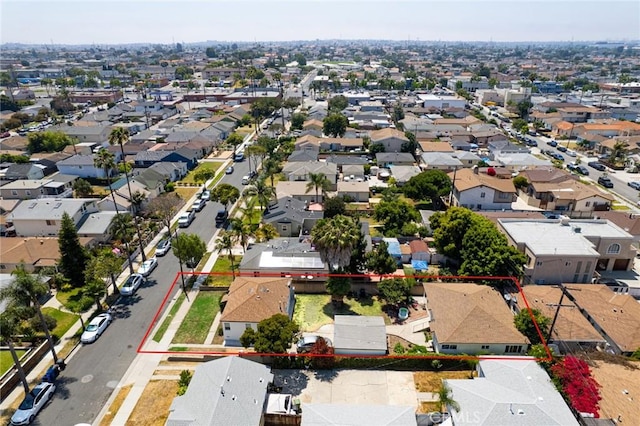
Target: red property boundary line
(513, 280)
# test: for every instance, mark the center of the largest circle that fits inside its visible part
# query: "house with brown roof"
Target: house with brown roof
(434, 146)
(615, 316)
(471, 319)
(312, 125)
(419, 250)
(479, 191)
(556, 190)
(36, 253)
(571, 331)
(251, 300)
(391, 139)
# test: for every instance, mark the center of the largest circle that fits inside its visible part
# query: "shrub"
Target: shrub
(183, 383)
(398, 349)
(577, 384)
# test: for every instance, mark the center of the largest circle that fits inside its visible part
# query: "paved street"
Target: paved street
(95, 370)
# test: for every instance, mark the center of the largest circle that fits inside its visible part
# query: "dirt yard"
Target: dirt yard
(620, 390)
(430, 381)
(152, 408)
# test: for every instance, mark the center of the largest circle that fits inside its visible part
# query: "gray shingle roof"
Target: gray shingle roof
(356, 415)
(355, 332)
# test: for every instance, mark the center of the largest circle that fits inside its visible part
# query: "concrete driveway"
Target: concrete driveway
(349, 386)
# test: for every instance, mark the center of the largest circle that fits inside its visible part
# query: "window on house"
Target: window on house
(247, 326)
(482, 195)
(613, 249)
(485, 346)
(28, 192)
(449, 346)
(539, 263)
(587, 204)
(227, 326)
(513, 349)
(51, 222)
(14, 192)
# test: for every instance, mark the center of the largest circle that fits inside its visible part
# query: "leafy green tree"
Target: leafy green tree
(25, 290)
(270, 168)
(47, 141)
(225, 194)
(8, 104)
(9, 328)
(297, 121)
(164, 208)
(275, 335)
(380, 261)
(394, 215)
(203, 175)
(428, 185)
(395, 290)
(486, 252)
(73, 256)
(183, 73)
(189, 248)
(234, 140)
(269, 144)
(376, 148)
(449, 229)
(335, 125)
(334, 206)
(412, 145)
(521, 125)
(525, 325)
(338, 287)
(266, 232)
(241, 232)
(523, 108)
(520, 182)
(338, 103)
(107, 265)
(95, 287)
(319, 182)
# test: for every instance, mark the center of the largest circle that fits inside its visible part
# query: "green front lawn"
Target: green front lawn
(209, 165)
(64, 321)
(74, 300)
(315, 310)
(6, 362)
(167, 320)
(197, 322)
(223, 265)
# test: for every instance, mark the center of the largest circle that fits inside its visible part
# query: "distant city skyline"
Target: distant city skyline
(166, 22)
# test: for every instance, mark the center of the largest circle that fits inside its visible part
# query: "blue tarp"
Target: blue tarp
(420, 265)
(393, 247)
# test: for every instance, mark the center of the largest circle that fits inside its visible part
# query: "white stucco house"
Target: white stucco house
(479, 191)
(42, 217)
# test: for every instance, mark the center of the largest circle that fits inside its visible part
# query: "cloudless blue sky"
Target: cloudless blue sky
(160, 21)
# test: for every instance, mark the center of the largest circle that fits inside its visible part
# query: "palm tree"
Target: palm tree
(248, 210)
(25, 290)
(9, 327)
(263, 193)
(226, 242)
(241, 232)
(119, 136)
(121, 230)
(318, 181)
(270, 168)
(255, 150)
(445, 399)
(335, 239)
(619, 152)
(266, 232)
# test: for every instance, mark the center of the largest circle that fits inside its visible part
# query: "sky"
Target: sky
(161, 21)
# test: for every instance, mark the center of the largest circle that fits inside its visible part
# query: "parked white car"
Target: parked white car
(95, 328)
(148, 266)
(186, 218)
(163, 247)
(33, 403)
(132, 284)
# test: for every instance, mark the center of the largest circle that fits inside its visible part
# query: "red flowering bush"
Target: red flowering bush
(582, 389)
(491, 171)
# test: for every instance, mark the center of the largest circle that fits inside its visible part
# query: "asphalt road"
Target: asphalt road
(95, 370)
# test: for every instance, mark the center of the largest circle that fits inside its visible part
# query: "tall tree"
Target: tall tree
(241, 232)
(319, 182)
(9, 328)
(395, 290)
(118, 136)
(73, 256)
(189, 248)
(164, 208)
(274, 335)
(335, 125)
(95, 287)
(82, 188)
(380, 261)
(203, 175)
(263, 193)
(525, 325)
(26, 289)
(428, 185)
(395, 214)
(271, 168)
(334, 206)
(449, 229)
(225, 194)
(225, 242)
(335, 240)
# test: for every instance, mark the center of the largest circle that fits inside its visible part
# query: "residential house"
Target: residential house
(508, 392)
(295, 257)
(307, 142)
(14, 143)
(34, 253)
(571, 331)
(391, 139)
(82, 166)
(359, 335)
(488, 136)
(520, 161)
(353, 172)
(42, 217)
(419, 250)
(479, 191)
(23, 171)
(171, 171)
(291, 217)
(354, 191)
(348, 160)
(303, 155)
(402, 174)
(575, 251)
(251, 300)
(299, 191)
(385, 159)
(98, 226)
(95, 134)
(24, 189)
(471, 319)
(300, 171)
(446, 161)
(615, 316)
(230, 390)
(184, 155)
(434, 146)
(440, 102)
(630, 222)
(504, 147)
(312, 124)
(152, 181)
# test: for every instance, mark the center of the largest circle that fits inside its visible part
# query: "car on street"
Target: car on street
(634, 185)
(33, 403)
(95, 328)
(562, 148)
(239, 156)
(229, 170)
(306, 343)
(163, 247)
(582, 170)
(605, 181)
(148, 266)
(186, 218)
(552, 143)
(199, 204)
(221, 217)
(245, 180)
(598, 166)
(557, 156)
(571, 153)
(530, 142)
(205, 195)
(132, 284)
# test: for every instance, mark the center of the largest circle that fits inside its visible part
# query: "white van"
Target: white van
(245, 180)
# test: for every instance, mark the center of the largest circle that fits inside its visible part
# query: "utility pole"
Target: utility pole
(555, 316)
